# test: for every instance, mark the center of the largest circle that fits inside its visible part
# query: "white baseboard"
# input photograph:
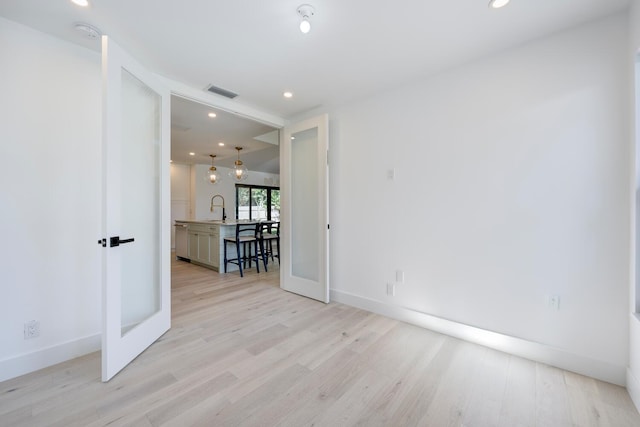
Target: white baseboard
(519, 347)
(633, 384)
(633, 387)
(30, 362)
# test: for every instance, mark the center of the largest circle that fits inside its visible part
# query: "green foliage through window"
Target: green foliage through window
(257, 202)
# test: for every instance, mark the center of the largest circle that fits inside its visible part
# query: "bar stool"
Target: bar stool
(246, 236)
(270, 232)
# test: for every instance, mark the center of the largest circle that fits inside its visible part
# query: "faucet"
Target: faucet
(224, 215)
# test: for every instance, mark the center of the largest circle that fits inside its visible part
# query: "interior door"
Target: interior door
(304, 222)
(136, 231)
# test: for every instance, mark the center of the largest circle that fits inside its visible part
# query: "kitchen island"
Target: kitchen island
(202, 241)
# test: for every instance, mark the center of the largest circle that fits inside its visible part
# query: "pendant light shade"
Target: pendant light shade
(212, 174)
(239, 171)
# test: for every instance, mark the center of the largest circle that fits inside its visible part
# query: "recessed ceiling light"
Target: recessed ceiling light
(288, 95)
(497, 4)
(212, 115)
(221, 144)
(192, 154)
(83, 3)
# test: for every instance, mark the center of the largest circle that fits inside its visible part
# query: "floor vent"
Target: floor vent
(220, 91)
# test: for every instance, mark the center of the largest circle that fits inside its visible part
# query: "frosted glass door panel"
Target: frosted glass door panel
(140, 160)
(304, 205)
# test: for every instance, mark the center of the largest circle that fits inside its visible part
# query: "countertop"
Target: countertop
(216, 221)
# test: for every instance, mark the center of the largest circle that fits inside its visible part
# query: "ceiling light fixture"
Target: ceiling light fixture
(497, 4)
(192, 154)
(87, 30)
(212, 115)
(212, 174)
(306, 11)
(288, 95)
(239, 171)
(221, 144)
(83, 3)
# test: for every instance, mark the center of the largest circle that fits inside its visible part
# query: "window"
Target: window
(257, 202)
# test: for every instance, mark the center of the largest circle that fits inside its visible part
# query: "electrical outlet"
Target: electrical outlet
(391, 289)
(554, 302)
(31, 329)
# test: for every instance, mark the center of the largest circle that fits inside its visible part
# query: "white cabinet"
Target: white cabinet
(203, 242)
(204, 245)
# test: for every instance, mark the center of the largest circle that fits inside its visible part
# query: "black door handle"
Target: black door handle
(115, 241)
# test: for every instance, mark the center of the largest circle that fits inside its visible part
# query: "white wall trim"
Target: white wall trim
(519, 347)
(42, 358)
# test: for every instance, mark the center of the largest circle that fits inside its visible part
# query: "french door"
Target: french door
(304, 226)
(136, 209)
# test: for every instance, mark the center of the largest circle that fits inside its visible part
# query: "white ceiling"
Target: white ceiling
(193, 131)
(355, 48)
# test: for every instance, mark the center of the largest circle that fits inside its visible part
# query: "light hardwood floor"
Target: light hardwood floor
(242, 352)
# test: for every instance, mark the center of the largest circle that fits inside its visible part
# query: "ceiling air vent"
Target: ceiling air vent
(219, 91)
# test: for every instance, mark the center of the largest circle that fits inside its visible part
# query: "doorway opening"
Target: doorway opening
(198, 132)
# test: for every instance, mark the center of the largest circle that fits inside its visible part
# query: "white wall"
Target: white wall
(511, 185)
(633, 373)
(50, 197)
(203, 190)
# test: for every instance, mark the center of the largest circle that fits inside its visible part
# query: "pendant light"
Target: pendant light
(239, 171)
(212, 174)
